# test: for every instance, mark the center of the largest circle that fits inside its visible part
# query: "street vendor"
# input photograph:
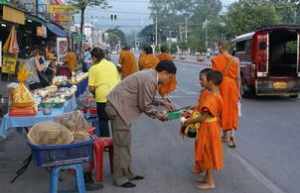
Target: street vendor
(132, 97)
(36, 67)
(103, 77)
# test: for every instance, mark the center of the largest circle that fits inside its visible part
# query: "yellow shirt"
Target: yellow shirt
(104, 76)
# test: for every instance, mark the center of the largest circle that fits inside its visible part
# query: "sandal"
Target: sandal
(206, 186)
(231, 143)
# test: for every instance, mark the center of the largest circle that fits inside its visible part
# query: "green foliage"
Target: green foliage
(245, 17)
(83, 4)
(115, 36)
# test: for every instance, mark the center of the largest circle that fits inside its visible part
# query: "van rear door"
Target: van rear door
(261, 54)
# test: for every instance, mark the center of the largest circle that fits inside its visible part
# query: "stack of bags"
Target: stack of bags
(70, 128)
(22, 101)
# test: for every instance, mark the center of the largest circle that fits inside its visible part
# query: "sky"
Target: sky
(132, 15)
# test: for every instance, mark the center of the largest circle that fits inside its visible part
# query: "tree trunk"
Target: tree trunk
(81, 31)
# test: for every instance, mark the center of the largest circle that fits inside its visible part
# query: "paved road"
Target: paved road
(266, 160)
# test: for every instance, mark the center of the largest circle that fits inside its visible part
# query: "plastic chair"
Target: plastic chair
(55, 177)
(100, 145)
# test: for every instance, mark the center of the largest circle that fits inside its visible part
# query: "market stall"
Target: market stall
(51, 101)
(80, 80)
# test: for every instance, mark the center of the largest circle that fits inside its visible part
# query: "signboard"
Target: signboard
(9, 64)
(41, 31)
(54, 9)
(62, 18)
(13, 15)
(62, 49)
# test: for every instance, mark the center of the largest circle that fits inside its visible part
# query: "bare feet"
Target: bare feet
(206, 186)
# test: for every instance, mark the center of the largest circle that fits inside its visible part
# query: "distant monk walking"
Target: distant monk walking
(168, 87)
(128, 62)
(230, 92)
(149, 60)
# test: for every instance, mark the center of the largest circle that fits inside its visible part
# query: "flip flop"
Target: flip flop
(206, 186)
(231, 143)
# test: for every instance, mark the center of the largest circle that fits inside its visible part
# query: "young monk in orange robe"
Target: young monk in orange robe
(128, 62)
(229, 67)
(167, 88)
(149, 60)
(203, 94)
(209, 152)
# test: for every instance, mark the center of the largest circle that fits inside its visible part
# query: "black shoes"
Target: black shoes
(128, 185)
(137, 178)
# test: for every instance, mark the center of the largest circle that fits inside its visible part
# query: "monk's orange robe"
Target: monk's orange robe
(229, 90)
(128, 63)
(71, 61)
(165, 57)
(209, 151)
(167, 88)
(204, 93)
(149, 61)
(141, 58)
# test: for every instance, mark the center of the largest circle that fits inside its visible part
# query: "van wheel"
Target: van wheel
(294, 96)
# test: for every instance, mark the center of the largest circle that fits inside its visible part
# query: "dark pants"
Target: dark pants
(103, 128)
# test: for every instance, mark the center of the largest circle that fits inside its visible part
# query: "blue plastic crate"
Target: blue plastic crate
(55, 155)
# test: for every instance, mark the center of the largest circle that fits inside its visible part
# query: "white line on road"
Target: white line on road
(257, 174)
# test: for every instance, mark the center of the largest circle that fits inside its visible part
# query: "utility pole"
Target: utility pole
(186, 29)
(156, 31)
(37, 7)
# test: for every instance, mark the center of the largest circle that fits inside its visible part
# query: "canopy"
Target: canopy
(56, 30)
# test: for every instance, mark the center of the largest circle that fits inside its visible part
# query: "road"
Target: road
(266, 159)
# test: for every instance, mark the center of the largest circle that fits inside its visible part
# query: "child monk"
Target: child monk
(203, 94)
(209, 155)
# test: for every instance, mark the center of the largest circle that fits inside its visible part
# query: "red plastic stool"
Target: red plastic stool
(100, 145)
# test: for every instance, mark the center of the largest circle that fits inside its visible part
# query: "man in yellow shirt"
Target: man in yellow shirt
(103, 77)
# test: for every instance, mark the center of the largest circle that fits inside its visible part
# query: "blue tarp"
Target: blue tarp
(56, 30)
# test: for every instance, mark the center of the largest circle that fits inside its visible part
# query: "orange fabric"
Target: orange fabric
(204, 93)
(71, 61)
(229, 90)
(141, 58)
(128, 63)
(167, 88)
(209, 150)
(148, 61)
(165, 57)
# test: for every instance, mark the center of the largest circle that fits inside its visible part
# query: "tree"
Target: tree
(247, 15)
(146, 34)
(174, 16)
(82, 5)
(116, 36)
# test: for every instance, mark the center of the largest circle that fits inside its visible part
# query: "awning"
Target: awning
(59, 32)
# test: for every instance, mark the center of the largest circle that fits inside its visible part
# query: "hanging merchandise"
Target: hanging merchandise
(10, 53)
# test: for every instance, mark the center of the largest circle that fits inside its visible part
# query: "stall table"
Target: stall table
(25, 122)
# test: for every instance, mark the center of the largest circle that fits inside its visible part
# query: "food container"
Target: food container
(174, 115)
